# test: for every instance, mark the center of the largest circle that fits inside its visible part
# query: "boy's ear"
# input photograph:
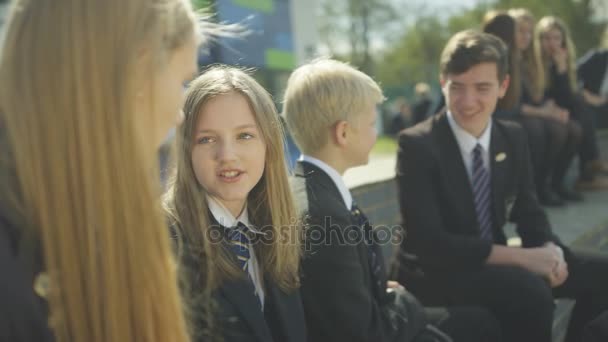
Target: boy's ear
(504, 86)
(442, 82)
(340, 131)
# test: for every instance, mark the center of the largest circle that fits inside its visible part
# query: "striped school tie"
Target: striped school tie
(239, 244)
(481, 194)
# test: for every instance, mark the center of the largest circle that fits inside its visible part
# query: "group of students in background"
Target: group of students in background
(238, 250)
(556, 101)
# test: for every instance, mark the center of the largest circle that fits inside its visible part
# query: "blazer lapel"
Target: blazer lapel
(498, 164)
(309, 170)
(457, 177)
(289, 312)
(241, 294)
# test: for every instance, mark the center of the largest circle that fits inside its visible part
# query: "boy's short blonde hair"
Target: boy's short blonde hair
(321, 93)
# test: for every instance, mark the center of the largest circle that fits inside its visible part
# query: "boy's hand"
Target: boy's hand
(560, 58)
(391, 284)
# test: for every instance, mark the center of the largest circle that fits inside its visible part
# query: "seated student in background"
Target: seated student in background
(331, 109)
(556, 79)
(552, 139)
(230, 206)
(552, 133)
(592, 71)
(461, 176)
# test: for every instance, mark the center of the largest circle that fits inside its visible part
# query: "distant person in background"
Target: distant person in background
(402, 118)
(423, 106)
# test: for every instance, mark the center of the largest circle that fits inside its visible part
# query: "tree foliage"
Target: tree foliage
(415, 56)
(357, 22)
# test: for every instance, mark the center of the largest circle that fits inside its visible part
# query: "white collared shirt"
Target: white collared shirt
(467, 142)
(335, 177)
(225, 218)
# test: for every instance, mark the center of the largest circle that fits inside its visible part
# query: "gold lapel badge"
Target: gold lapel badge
(501, 156)
(42, 284)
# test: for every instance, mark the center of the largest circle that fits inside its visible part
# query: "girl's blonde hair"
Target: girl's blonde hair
(544, 61)
(77, 178)
(528, 63)
(270, 204)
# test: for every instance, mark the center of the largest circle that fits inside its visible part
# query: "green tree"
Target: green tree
(416, 56)
(356, 22)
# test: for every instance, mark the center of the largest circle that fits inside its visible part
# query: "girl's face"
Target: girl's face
(523, 36)
(551, 41)
(229, 151)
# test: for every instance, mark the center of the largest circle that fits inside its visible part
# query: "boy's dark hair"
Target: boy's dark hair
(468, 48)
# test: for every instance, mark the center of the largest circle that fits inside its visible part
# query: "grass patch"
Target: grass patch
(385, 145)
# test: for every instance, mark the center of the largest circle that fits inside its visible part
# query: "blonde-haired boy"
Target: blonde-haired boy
(330, 109)
(327, 100)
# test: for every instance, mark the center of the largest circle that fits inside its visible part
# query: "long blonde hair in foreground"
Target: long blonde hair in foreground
(83, 186)
(270, 203)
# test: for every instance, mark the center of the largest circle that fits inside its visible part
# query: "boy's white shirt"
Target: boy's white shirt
(224, 217)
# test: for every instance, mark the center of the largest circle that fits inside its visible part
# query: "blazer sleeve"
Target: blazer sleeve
(583, 67)
(587, 68)
(22, 318)
(338, 305)
(560, 90)
(532, 224)
(426, 227)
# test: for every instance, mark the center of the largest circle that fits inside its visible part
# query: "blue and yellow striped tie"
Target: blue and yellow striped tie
(239, 244)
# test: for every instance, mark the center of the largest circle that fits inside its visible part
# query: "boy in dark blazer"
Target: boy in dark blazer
(330, 109)
(461, 176)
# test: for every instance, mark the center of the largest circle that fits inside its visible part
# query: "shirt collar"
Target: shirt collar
(335, 177)
(224, 217)
(466, 141)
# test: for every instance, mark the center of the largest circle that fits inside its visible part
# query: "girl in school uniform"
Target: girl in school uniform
(232, 213)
